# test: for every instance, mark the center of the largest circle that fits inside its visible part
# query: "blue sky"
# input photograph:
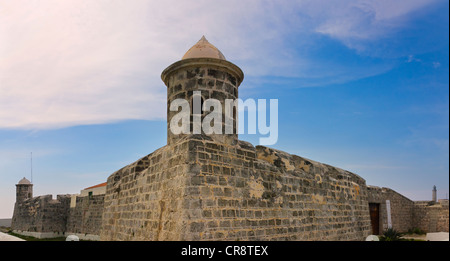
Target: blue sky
(362, 85)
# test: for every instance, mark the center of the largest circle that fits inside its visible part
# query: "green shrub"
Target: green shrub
(416, 231)
(390, 235)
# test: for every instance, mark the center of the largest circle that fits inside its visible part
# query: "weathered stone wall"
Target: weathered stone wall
(144, 200)
(44, 217)
(248, 193)
(402, 208)
(86, 216)
(431, 216)
(198, 189)
(443, 218)
(406, 214)
(41, 214)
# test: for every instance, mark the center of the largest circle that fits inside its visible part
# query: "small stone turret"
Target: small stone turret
(203, 70)
(24, 190)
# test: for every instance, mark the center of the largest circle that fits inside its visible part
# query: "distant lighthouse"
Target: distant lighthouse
(434, 197)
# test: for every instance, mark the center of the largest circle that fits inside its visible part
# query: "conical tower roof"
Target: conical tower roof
(24, 181)
(203, 49)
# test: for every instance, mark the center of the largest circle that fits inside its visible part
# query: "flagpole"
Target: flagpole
(31, 167)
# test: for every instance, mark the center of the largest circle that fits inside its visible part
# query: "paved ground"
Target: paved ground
(6, 237)
(416, 237)
(440, 236)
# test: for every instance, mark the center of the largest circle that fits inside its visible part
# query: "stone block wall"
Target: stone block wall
(86, 216)
(41, 214)
(198, 189)
(431, 216)
(144, 200)
(443, 218)
(45, 217)
(402, 208)
(248, 193)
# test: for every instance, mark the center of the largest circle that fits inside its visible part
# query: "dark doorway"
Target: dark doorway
(374, 209)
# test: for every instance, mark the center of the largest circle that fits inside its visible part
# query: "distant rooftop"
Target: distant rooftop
(97, 186)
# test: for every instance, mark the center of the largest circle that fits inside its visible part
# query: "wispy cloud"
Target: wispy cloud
(356, 23)
(66, 63)
(411, 59)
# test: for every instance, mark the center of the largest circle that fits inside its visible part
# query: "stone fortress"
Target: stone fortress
(217, 187)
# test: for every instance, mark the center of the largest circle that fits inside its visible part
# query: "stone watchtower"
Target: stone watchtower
(204, 70)
(24, 190)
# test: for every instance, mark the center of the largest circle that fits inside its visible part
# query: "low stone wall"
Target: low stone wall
(40, 235)
(431, 216)
(407, 214)
(44, 217)
(41, 214)
(402, 208)
(85, 218)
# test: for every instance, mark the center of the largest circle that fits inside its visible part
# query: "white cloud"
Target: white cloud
(411, 59)
(73, 62)
(350, 21)
(66, 63)
(436, 64)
